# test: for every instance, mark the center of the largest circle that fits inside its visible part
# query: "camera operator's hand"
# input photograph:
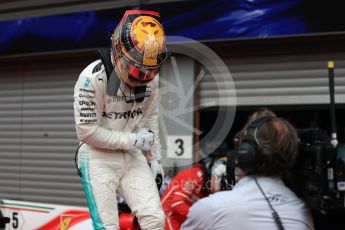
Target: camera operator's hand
(142, 140)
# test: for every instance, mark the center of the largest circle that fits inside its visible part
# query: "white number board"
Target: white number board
(180, 147)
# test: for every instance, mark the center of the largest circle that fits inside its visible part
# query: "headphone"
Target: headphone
(248, 151)
(249, 156)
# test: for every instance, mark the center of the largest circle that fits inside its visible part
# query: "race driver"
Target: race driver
(116, 118)
(190, 185)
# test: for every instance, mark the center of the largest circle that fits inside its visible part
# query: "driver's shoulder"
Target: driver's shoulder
(94, 71)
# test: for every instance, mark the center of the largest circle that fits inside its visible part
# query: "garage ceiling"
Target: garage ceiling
(15, 9)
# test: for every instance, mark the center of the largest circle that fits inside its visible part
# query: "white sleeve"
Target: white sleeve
(199, 217)
(151, 113)
(89, 96)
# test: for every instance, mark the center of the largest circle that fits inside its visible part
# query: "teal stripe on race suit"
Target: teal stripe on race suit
(96, 219)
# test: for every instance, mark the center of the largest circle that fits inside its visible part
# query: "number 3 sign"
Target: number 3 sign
(180, 147)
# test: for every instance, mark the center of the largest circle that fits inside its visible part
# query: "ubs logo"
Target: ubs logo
(88, 114)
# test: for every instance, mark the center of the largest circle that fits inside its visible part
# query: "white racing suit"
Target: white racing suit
(101, 122)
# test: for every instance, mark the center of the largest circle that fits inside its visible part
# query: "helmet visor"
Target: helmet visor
(136, 74)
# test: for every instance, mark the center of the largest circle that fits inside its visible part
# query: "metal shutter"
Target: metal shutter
(38, 137)
(277, 80)
(11, 89)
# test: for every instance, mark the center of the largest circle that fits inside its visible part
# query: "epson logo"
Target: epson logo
(88, 114)
(123, 115)
(88, 103)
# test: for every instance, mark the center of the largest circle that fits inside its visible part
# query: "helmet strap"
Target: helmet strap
(113, 80)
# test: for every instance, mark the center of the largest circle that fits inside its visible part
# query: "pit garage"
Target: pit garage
(287, 74)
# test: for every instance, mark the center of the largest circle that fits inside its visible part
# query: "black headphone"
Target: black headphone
(248, 151)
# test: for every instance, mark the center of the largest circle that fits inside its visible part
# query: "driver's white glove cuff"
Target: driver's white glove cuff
(142, 140)
(131, 141)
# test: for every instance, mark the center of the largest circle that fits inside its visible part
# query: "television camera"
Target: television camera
(318, 176)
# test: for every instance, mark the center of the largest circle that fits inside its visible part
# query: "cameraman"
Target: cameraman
(265, 152)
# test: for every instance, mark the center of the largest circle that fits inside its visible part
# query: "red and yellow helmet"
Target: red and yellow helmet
(139, 44)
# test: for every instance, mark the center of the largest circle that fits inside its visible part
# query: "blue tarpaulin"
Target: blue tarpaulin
(199, 20)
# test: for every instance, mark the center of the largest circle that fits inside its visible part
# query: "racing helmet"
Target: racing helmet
(139, 45)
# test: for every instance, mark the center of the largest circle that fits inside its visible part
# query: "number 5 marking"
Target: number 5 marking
(15, 223)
